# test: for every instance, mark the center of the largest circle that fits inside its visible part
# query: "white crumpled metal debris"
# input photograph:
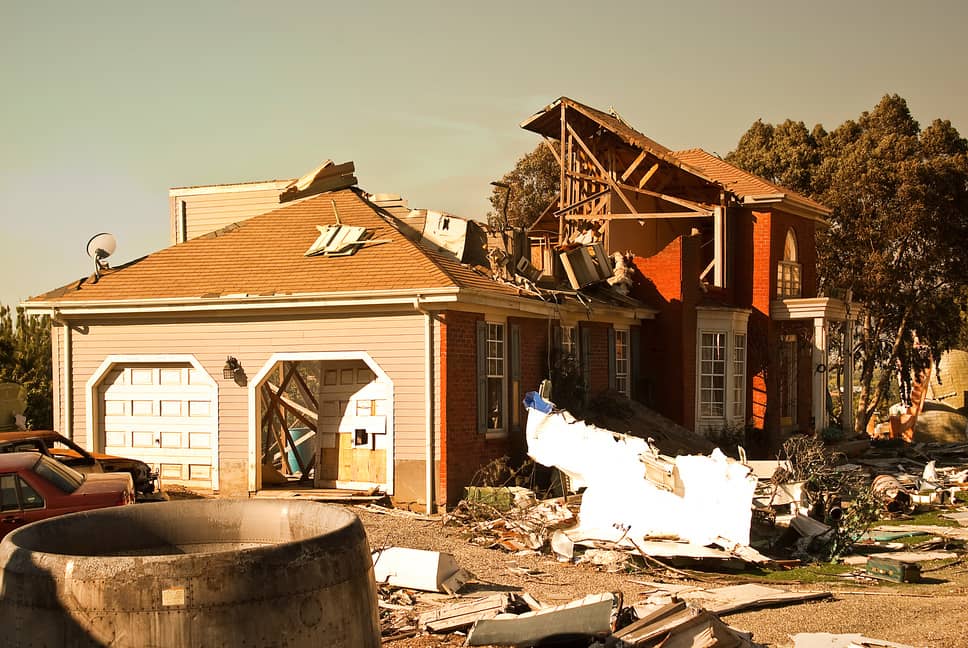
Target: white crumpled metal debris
(712, 499)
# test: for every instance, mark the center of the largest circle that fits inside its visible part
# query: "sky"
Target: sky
(104, 106)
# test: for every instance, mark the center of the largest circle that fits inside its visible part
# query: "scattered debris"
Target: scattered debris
(430, 571)
(893, 569)
(461, 615)
(590, 616)
(733, 598)
(827, 640)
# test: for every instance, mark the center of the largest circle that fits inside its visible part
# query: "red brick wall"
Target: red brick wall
(463, 449)
(669, 342)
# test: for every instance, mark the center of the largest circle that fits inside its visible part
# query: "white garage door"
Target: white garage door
(163, 414)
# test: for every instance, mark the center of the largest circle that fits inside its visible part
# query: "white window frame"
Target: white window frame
(788, 270)
(738, 369)
(712, 368)
(495, 363)
(731, 324)
(569, 340)
(623, 362)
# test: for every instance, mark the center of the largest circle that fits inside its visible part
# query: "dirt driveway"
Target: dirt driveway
(933, 614)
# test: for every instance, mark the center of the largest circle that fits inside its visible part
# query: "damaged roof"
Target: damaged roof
(742, 184)
(264, 256)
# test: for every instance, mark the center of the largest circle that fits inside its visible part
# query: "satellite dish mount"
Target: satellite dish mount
(99, 248)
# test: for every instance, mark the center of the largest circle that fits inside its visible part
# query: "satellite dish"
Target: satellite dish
(101, 246)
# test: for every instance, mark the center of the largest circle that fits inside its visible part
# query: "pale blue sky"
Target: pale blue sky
(105, 105)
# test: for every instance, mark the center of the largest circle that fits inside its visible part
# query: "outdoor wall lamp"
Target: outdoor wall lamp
(234, 371)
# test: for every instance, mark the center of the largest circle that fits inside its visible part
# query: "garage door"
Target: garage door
(163, 414)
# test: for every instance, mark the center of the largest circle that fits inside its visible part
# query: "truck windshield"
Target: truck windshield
(64, 478)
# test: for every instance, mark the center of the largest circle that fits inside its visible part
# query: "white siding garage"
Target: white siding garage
(164, 413)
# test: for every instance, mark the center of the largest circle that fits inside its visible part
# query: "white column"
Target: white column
(819, 378)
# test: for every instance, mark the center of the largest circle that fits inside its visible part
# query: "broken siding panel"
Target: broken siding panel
(395, 343)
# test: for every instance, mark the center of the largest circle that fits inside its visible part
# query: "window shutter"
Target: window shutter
(481, 377)
(515, 360)
(585, 354)
(634, 361)
(556, 337)
(611, 359)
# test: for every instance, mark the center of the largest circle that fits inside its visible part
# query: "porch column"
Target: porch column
(847, 398)
(819, 408)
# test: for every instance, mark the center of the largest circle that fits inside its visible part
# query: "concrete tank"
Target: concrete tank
(191, 573)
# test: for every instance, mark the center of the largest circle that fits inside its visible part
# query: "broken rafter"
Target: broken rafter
(551, 147)
(306, 416)
(601, 169)
(583, 201)
(635, 165)
(647, 175)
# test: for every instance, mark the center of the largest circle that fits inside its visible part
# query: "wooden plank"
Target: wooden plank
(602, 170)
(462, 614)
(583, 201)
(635, 165)
(641, 216)
(304, 390)
(647, 175)
(551, 147)
(564, 164)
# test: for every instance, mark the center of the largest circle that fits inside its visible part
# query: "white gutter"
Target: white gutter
(428, 402)
(68, 380)
(332, 300)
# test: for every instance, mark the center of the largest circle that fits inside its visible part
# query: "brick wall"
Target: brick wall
(464, 450)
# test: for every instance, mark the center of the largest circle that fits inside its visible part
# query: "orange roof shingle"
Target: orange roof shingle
(264, 255)
(738, 181)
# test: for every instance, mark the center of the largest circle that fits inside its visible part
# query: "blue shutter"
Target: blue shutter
(585, 354)
(611, 359)
(515, 360)
(635, 350)
(481, 377)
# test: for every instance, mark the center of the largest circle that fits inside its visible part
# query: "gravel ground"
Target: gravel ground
(933, 614)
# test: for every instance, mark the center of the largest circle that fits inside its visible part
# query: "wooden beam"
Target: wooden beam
(601, 169)
(582, 202)
(551, 147)
(635, 165)
(688, 204)
(308, 417)
(304, 390)
(563, 162)
(647, 175)
(639, 216)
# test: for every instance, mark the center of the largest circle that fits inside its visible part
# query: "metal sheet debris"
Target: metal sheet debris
(590, 616)
(711, 498)
(430, 571)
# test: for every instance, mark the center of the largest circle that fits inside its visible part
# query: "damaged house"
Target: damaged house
(728, 260)
(307, 330)
(383, 335)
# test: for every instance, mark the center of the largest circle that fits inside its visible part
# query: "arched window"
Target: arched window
(788, 270)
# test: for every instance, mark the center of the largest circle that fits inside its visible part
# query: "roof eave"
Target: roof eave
(793, 204)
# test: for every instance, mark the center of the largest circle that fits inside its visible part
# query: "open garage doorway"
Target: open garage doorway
(321, 420)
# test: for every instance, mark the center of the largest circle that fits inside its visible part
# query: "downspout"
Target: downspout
(68, 380)
(428, 402)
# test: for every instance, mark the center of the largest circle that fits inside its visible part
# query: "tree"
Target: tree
(533, 184)
(25, 359)
(898, 235)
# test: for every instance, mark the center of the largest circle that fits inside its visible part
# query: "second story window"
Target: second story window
(788, 270)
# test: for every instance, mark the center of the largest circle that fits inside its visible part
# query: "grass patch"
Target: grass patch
(931, 517)
(816, 573)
